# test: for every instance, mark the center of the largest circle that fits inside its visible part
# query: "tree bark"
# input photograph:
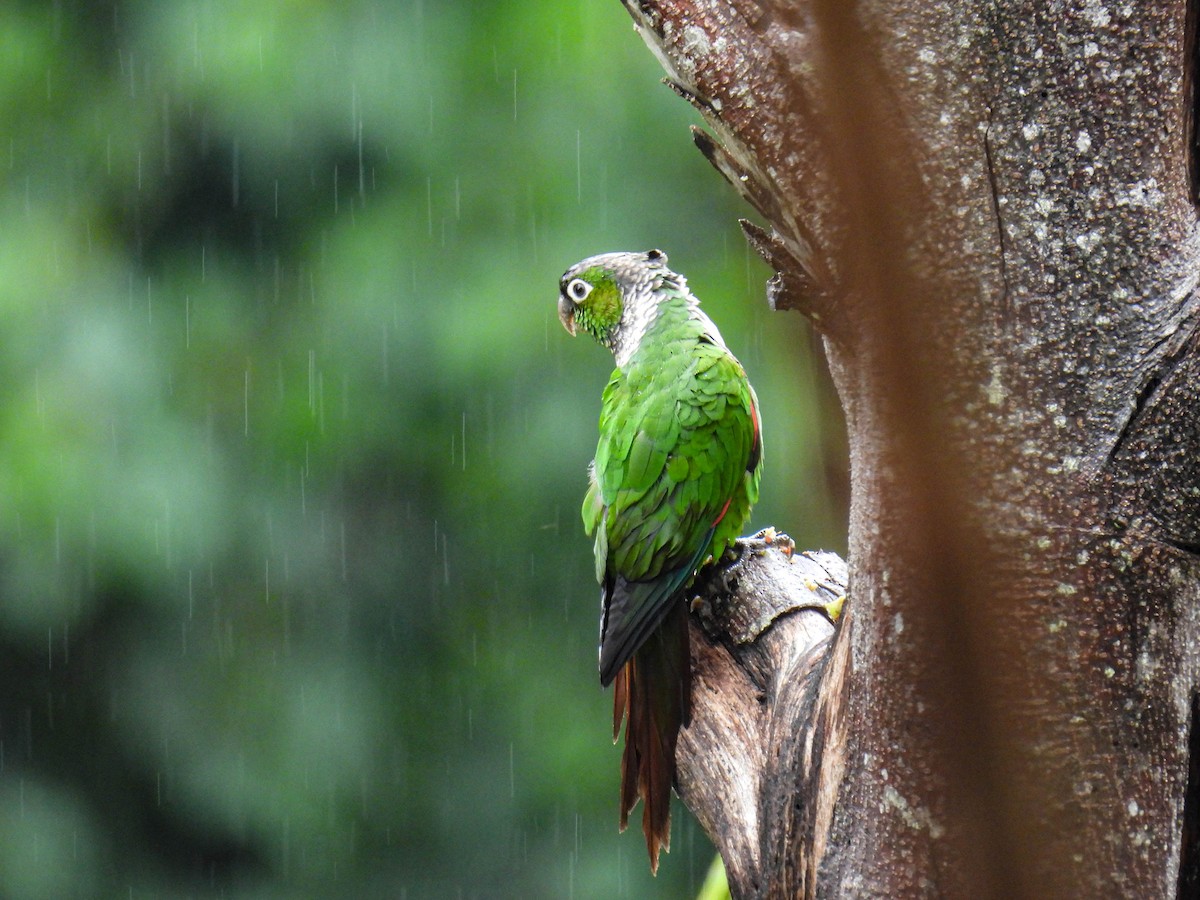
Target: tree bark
(759, 646)
(987, 211)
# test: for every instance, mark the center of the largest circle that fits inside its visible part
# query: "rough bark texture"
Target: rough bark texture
(761, 642)
(987, 211)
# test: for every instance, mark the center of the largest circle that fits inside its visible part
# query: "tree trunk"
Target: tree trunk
(988, 212)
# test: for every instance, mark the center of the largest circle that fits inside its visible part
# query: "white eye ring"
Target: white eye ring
(578, 289)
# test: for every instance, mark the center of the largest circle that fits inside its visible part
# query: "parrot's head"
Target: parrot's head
(613, 296)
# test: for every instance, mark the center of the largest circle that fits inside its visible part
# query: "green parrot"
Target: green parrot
(676, 471)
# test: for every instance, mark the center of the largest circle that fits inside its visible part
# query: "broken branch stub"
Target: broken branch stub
(759, 637)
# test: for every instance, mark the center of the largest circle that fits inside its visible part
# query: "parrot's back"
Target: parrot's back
(675, 475)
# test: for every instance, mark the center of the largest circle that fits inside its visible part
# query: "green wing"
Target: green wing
(675, 474)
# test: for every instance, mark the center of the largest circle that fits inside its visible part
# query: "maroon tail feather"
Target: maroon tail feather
(653, 695)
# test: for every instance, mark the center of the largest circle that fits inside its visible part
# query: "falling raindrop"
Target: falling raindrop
(345, 570)
(429, 204)
(236, 168)
(362, 175)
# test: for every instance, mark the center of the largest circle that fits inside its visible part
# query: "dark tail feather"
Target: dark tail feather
(620, 703)
(653, 694)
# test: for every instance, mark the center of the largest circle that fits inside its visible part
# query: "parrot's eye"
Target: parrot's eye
(578, 289)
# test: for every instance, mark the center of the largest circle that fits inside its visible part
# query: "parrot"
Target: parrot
(676, 472)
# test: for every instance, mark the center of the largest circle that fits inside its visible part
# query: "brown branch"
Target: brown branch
(759, 644)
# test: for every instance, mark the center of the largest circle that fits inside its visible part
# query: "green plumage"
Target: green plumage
(676, 433)
(676, 472)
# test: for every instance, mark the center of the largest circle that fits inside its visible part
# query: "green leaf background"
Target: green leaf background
(294, 594)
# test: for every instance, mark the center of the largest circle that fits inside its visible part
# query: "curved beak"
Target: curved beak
(566, 314)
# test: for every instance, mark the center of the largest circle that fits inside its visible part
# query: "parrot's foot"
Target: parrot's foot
(718, 578)
(764, 540)
(760, 578)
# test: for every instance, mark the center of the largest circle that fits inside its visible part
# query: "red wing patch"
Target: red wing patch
(756, 447)
(724, 509)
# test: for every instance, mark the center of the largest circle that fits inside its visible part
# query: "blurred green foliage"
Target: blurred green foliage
(294, 596)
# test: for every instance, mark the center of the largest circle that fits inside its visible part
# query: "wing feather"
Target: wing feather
(676, 441)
